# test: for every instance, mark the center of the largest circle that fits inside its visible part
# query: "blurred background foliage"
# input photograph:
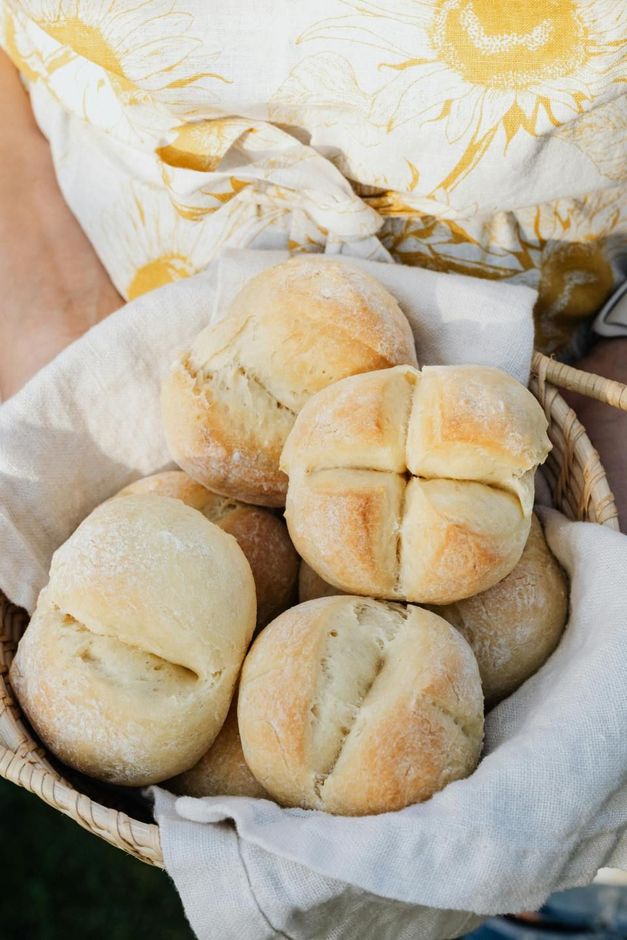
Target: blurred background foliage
(60, 882)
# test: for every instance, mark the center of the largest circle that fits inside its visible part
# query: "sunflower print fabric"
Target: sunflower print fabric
(485, 137)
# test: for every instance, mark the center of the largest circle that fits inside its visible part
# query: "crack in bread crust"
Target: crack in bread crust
(203, 376)
(408, 476)
(322, 776)
(183, 672)
(254, 379)
(463, 726)
(380, 642)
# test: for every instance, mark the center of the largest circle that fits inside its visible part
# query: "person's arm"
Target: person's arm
(53, 287)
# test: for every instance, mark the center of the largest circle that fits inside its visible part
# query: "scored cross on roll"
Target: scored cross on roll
(415, 485)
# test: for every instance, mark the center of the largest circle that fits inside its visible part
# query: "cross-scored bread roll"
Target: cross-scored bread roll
(263, 537)
(354, 706)
(128, 666)
(514, 626)
(222, 771)
(415, 485)
(230, 400)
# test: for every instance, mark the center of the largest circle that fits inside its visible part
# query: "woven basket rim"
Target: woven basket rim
(579, 486)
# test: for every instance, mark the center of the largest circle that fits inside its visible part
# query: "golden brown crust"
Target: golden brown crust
(357, 707)
(222, 771)
(311, 585)
(457, 538)
(231, 399)
(223, 437)
(515, 625)
(178, 485)
(265, 541)
(263, 537)
(458, 447)
(356, 549)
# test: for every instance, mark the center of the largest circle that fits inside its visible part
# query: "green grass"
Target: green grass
(58, 881)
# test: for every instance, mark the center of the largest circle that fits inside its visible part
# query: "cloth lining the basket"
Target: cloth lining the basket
(545, 809)
(547, 805)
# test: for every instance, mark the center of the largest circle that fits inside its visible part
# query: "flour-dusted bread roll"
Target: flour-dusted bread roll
(514, 626)
(415, 485)
(262, 536)
(222, 771)
(230, 400)
(355, 706)
(128, 666)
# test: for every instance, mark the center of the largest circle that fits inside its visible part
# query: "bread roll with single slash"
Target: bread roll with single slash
(514, 626)
(230, 400)
(414, 485)
(354, 706)
(222, 771)
(261, 535)
(128, 666)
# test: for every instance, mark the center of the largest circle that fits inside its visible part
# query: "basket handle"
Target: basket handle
(586, 383)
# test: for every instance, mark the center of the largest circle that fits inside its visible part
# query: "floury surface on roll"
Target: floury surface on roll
(415, 485)
(262, 536)
(230, 400)
(514, 626)
(128, 666)
(354, 706)
(222, 771)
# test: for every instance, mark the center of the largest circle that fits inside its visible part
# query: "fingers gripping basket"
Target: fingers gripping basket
(580, 490)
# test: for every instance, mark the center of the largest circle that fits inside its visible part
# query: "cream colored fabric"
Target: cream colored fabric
(485, 136)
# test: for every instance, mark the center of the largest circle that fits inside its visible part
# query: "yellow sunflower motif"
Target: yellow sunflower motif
(145, 244)
(571, 251)
(495, 248)
(582, 258)
(35, 60)
(485, 70)
(148, 49)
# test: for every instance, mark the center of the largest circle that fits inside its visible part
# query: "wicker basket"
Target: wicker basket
(580, 490)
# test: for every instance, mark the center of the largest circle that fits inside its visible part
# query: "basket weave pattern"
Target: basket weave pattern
(580, 490)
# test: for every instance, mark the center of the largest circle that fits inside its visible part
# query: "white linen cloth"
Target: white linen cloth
(546, 807)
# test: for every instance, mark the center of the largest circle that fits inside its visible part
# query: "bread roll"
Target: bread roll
(231, 399)
(515, 625)
(354, 706)
(128, 666)
(311, 585)
(222, 771)
(415, 485)
(261, 535)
